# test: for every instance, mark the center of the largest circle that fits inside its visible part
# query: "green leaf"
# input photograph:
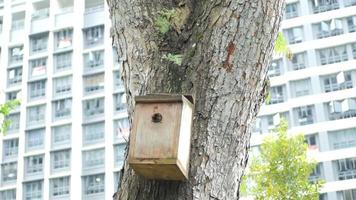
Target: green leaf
(281, 46)
(5, 110)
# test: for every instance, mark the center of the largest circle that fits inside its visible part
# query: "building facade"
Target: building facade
(66, 138)
(315, 91)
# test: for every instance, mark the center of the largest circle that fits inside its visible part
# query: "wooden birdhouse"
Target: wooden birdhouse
(160, 137)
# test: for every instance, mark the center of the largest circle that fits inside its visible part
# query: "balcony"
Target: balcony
(17, 30)
(94, 15)
(333, 55)
(323, 6)
(38, 43)
(325, 34)
(120, 102)
(93, 108)
(62, 109)
(17, 57)
(93, 84)
(349, 3)
(40, 20)
(64, 18)
(94, 61)
(338, 86)
(63, 39)
(93, 36)
(342, 110)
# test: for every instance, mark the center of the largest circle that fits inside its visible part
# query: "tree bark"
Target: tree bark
(226, 46)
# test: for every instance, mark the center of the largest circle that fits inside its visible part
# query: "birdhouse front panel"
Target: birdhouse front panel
(160, 137)
(156, 130)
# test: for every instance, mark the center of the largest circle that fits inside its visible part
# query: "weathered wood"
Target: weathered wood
(226, 46)
(160, 137)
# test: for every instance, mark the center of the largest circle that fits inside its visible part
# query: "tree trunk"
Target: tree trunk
(226, 46)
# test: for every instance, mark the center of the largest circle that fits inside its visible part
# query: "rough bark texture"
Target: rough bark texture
(226, 46)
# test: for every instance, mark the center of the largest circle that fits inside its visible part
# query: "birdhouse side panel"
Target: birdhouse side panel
(185, 137)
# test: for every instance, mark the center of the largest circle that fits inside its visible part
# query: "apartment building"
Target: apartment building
(316, 90)
(66, 138)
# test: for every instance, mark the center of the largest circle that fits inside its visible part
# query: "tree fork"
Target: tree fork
(218, 51)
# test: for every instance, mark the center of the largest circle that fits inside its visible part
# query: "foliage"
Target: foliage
(163, 20)
(281, 46)
(4, 112)
(268, 98)
(282, 170)
(175, 58)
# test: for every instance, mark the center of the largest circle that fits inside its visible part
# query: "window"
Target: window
(93, 159)
(93, 185)
(298, 61)
(294, 35)
(317, 173)
(346, 168)
(342, 138)
(116, 180)
(312, 141)
(9, 172)
(34, 165)
(301, 87)
(118, 84)
(291, 10)
(12, 95)
(16, 55)
(119, 151)
(62, 61)
(93, 133)
(94, 36)
(346, 194)
(120, 102)
(94, 60)
(332, 55)
(353, 47)
(38, 43)
(37, 90)
(8, 194)
(10, 148)
(274, 69)
(304, 115)
(14, 76)
(33, 190)
(335, 82)
(93, 83)
(38, 67)
(59, 187)
(324, 5)
(35, 139)
(93, 107)
(36, 115)
(15, 122)
(277, 94)
(351, 23)
(63, 39)
(62, 108)
(121, 129)
(61, 135)
(328, 28)
(62, 86)
(60, 160)
(93, 6)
